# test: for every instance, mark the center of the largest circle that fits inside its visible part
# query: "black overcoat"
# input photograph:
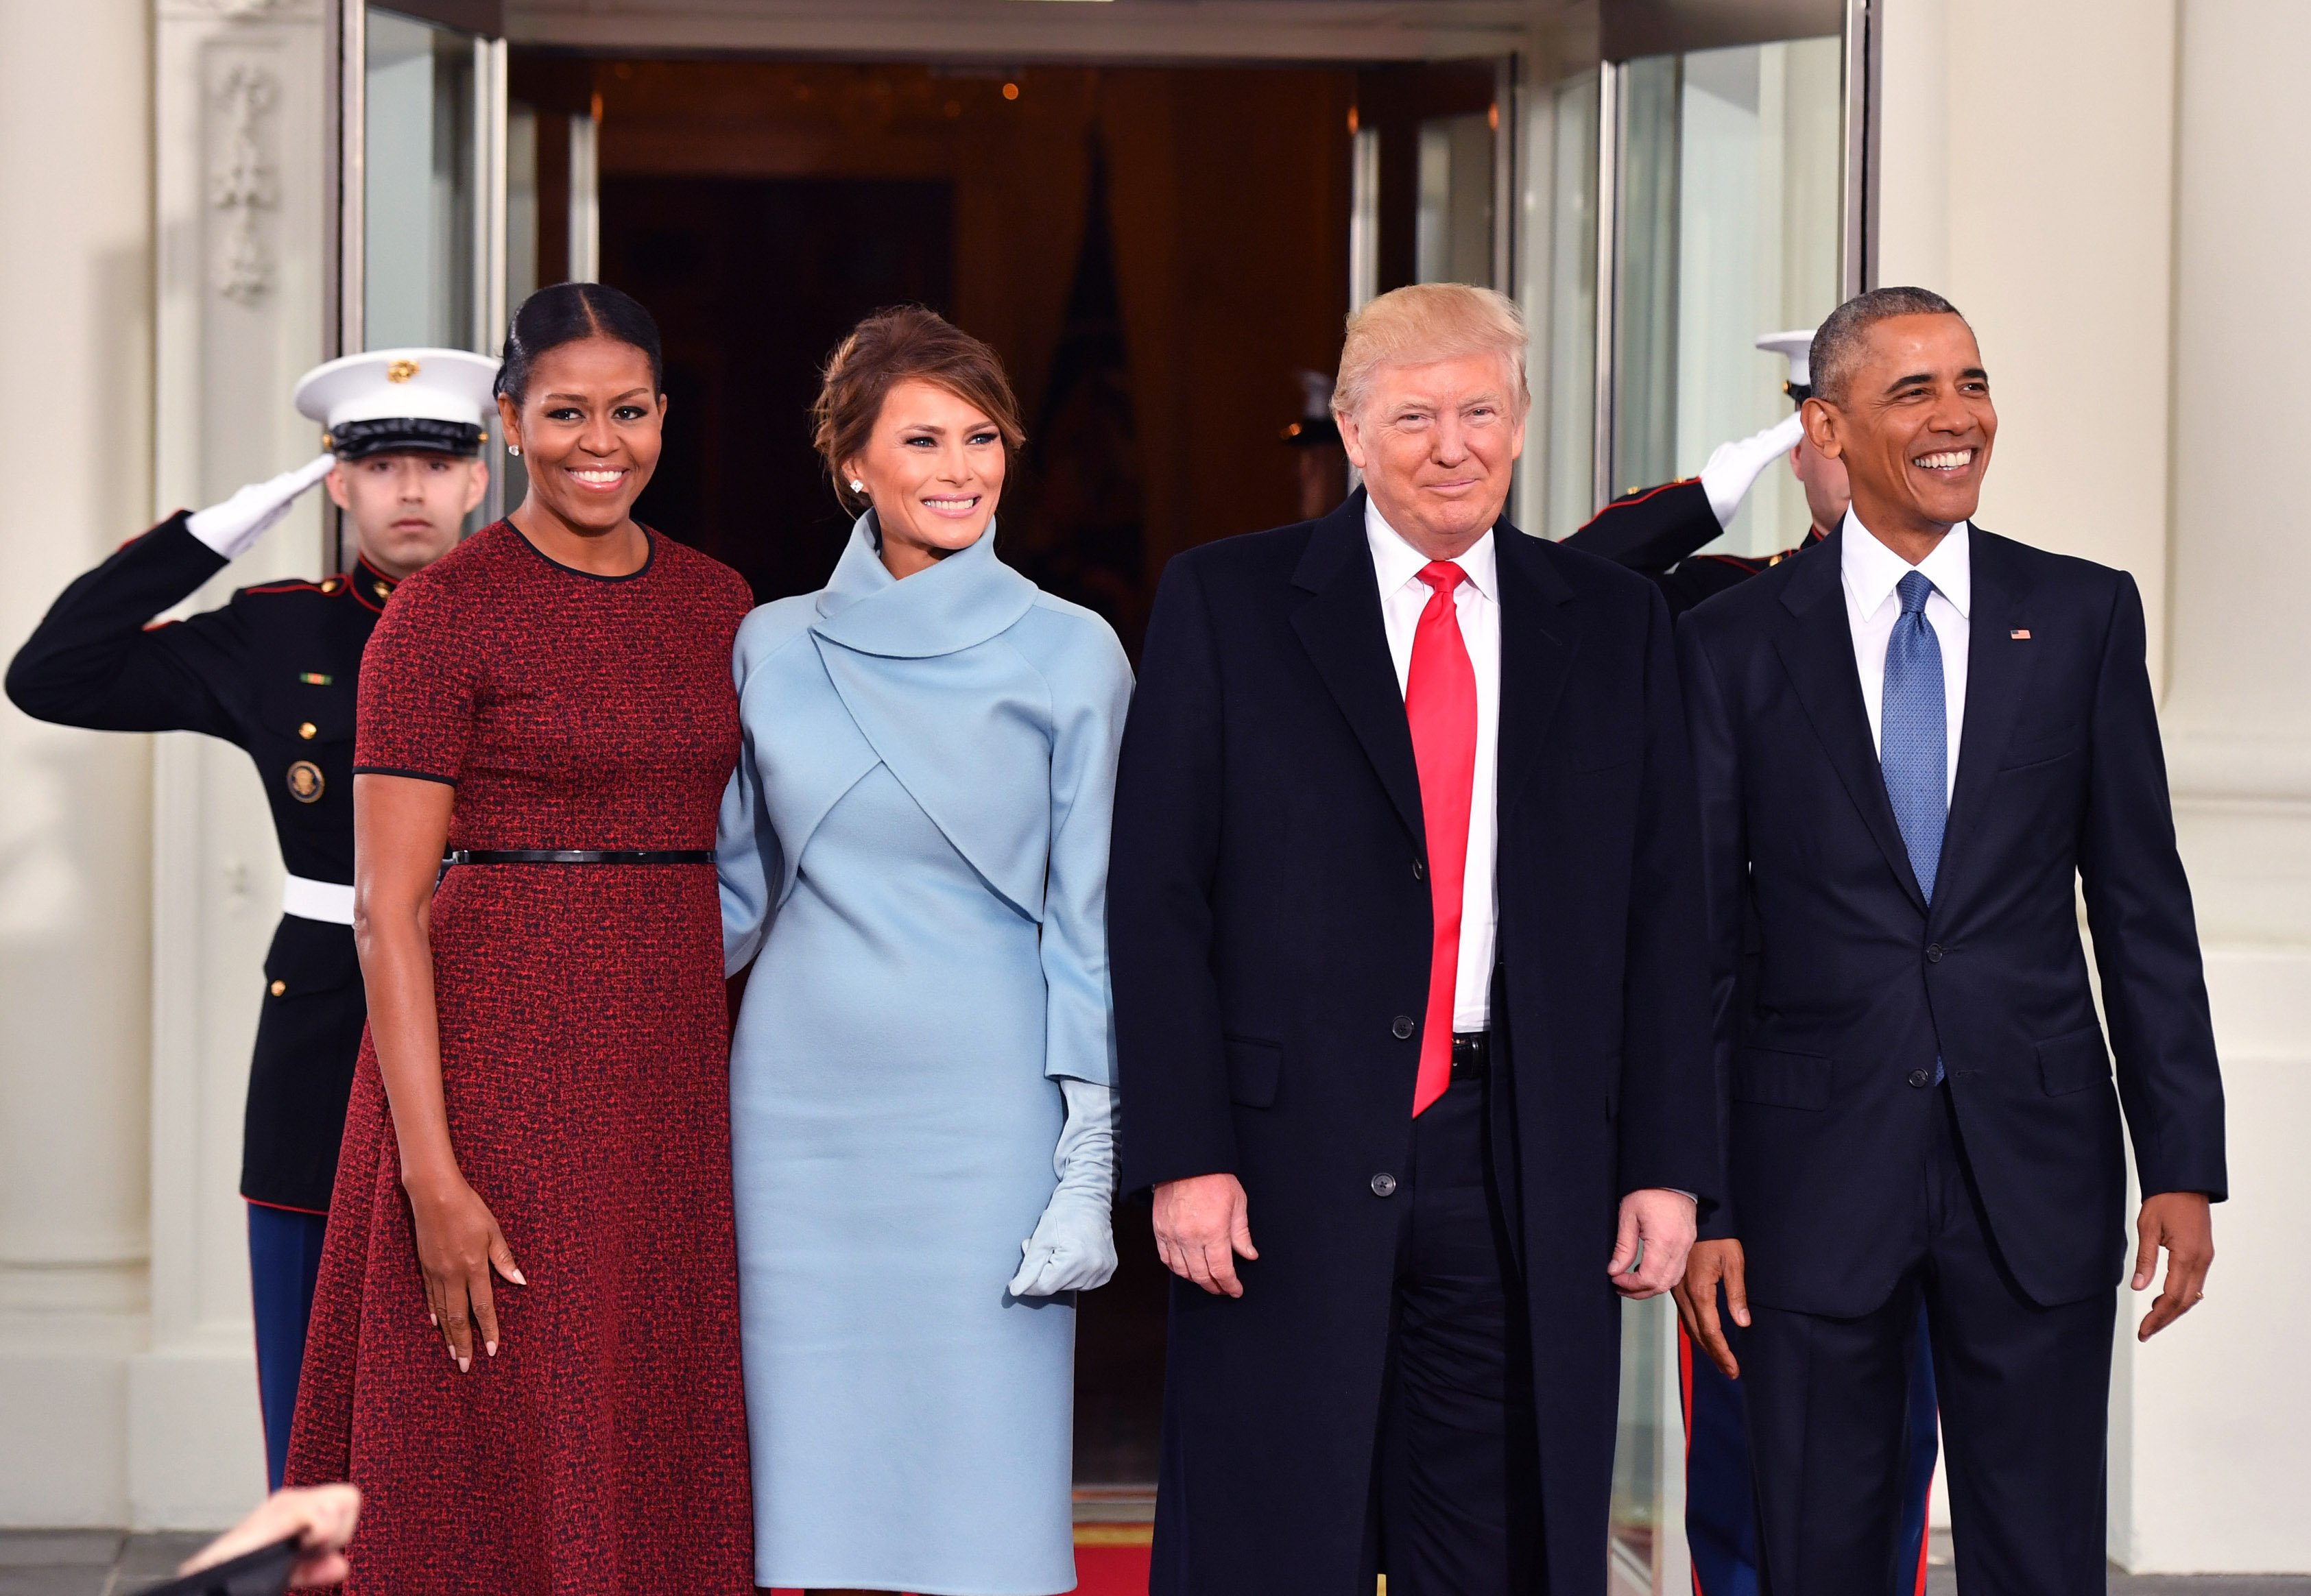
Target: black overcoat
(1270, 924)
(1838, 986)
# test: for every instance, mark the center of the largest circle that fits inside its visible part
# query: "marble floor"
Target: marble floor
(88, 1562)
(1942, 1580)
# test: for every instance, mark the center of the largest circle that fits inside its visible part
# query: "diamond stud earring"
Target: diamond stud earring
(514, 450)
(857, 486)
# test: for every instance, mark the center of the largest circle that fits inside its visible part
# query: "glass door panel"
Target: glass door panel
(1729, 217)
(1452, 230)
(1557, 287)
(427, 236)
(419, 168)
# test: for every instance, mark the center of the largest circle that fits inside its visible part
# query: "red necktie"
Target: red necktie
(1440, 701)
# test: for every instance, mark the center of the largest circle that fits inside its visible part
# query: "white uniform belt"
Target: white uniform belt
(310, 899)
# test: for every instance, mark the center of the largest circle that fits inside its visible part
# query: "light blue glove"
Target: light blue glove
(1072, 1248)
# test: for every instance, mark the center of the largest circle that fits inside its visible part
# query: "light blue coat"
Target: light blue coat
(914, 853)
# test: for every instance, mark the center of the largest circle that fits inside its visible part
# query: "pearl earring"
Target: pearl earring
(857, 486)
(514, 450)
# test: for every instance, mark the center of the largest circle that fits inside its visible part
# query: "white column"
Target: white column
(2028, 175)
(2222, 1403)
(2109, 189)
(75, 317)
(240, 142)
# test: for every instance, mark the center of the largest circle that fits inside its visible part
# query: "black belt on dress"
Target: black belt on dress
(1472, 1054)
(578, 856)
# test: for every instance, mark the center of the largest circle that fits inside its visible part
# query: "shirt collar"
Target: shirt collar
(1397, 562)
(1873, 571)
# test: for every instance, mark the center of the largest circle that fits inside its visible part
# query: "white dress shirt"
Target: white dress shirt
(1477, 605)
(1871, 573)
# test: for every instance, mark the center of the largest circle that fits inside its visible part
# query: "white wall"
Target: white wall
(2028, 176)
(2113, 193)
(238, 300)
(154, 322)
(2223, 1420)
(77, 320)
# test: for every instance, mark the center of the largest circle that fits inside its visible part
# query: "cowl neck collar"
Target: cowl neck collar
(959, 603)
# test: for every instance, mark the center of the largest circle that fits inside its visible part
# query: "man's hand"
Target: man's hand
(1203, 1226)
(2179, 1222)
(1656, 1234)
(321, 1517)
(1710, 1263)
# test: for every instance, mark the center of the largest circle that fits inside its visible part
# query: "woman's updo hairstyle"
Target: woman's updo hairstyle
(906, 344)
(566, 313)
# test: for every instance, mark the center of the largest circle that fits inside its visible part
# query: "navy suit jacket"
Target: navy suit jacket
(1837, 985)
(1268, 925)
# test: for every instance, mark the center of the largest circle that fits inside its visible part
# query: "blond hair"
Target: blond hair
(1424, 322)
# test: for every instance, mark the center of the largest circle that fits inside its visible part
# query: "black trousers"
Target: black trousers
(2024, 1394)
(1456, 1480)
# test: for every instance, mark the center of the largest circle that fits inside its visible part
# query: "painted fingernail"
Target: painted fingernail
(465, 1365)
(491, 1347)
(515, 1277)
(434, 1320)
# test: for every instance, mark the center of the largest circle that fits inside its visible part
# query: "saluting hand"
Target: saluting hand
(233, 528)
(458, 1242)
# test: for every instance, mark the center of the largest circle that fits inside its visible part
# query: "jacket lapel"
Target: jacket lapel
(1537, 642)
(1998, 668)
(1340, 627)
(1816, 649)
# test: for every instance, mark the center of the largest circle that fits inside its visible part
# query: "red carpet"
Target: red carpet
(1099, 1571)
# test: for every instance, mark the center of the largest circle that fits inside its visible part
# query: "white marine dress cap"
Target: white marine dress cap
(1795, 347)
(395, 401)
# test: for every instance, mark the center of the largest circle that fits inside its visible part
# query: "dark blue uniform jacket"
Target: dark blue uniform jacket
(273, 671)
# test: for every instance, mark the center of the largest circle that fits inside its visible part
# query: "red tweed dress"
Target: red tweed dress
(586, 1061)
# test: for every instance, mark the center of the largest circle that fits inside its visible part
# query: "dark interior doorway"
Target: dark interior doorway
(1158, 254)
(752, 282)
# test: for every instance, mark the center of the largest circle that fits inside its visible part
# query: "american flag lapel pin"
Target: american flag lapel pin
(2020, 634)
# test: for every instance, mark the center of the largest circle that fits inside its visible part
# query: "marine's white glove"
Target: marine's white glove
(1072, 1248)
(233, 528)
(1733, 466)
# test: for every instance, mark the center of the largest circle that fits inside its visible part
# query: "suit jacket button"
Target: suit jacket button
(1402, 1027)
(1383, 1185)
(1934, 954)
(1921, 1078)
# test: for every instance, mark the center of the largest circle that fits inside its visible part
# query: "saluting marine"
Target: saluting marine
(273, 671)
(1660, 532)
(1661, 529)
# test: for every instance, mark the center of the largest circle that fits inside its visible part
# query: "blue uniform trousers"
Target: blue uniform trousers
(285, 1256)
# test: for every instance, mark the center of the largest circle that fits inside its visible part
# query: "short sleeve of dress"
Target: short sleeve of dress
(418, 679)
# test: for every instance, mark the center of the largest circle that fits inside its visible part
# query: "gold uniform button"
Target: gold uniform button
(278, 987)
(332, 584)
(308, 730)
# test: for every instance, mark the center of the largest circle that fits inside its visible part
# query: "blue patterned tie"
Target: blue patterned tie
(1912, 733)
(1914, 737)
